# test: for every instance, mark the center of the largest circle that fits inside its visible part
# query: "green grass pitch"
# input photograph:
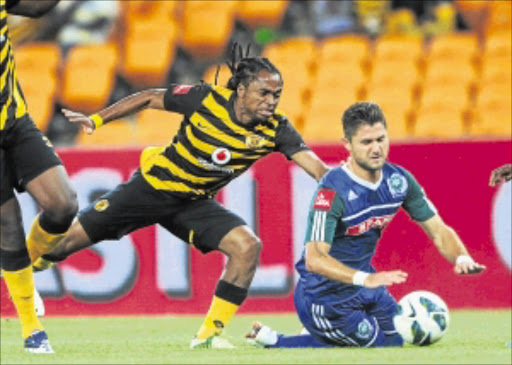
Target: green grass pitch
(474, 337)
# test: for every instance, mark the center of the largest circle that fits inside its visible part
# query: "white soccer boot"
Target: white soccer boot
(261, 335)
(212, 342)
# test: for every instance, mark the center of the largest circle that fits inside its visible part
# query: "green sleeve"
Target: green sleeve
(416, 203)
(323, 220)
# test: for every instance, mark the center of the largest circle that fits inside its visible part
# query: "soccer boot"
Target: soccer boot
(41, 264)
(212, 342)
(38, 343)
(261, 335)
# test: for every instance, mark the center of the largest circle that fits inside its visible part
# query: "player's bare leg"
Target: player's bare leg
(242, 247)
(19, 278)
(54, 194)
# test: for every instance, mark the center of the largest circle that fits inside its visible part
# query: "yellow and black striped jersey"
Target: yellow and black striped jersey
(212, 147)
(12, 101)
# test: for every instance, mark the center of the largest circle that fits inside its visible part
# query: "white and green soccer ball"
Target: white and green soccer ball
(422, 318)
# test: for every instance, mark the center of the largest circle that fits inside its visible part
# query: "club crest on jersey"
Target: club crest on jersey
(324, 199)
(181, 89)
(221, 156)
(397, 184)
(364, 329)
(253, 141)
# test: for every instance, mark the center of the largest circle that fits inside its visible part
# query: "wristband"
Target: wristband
(96, 120)
(464, 258)
(359, 278)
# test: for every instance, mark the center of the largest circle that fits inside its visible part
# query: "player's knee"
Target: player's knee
(62, 209)
(248, 249)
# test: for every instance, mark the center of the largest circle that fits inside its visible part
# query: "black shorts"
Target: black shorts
(136, 204)
(25, 153)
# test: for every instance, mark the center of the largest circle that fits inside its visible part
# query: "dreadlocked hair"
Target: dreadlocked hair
(245, 69)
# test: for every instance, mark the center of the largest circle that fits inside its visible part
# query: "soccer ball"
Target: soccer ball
(422, 318)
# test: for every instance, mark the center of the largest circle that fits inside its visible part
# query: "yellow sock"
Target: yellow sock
(21, 287)
(220, 313)
(39, 241)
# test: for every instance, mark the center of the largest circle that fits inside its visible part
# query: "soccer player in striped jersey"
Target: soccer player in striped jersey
(224, 131)
(340, 298)
(27, 162)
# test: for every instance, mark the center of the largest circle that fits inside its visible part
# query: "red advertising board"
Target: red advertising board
(151, 272)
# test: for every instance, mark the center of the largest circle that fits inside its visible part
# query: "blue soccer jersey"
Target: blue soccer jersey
(350, 214)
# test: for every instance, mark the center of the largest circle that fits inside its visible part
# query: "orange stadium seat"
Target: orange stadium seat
(450, 71)
(493, 120)
(398, 48)
(149, 52)
(500, 16)
(394, 73)
(116, 134)
(257, 13)
(156, 127)
(439, 124)
(40, 57)
(344, 49)
(496, 69)
(206, 28)
(451, 97)
(462, 45)
(498, 44)
(334, 75)
(142, 10)
(40, 92)
(89, 75)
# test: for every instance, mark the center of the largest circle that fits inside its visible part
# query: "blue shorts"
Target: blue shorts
(363, 320)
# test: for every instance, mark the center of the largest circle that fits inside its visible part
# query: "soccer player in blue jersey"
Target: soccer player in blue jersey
(340, 298)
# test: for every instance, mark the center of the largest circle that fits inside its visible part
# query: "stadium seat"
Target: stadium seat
(334, 75)
(149, 52)
(156, 127)
(116, 134)
(40, 57)
(462, 45)
(135, 11)
(450, 71)
(398, 48)
(206, 29)
(498, 44)
(40, 91)
(344, 49)
(89, 74)
(500, 16)
(492, 119)
(495, 70)
(445, 96)
(439, 124)
(256, 13)
(394, 73)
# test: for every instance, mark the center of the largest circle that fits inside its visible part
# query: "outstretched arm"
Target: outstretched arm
(152, 98)
(500, 175)
(31, 8)
(311, 163)
(319, 261)
(450, 246)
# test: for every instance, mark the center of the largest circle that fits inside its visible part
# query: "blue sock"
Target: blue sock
(297, 341)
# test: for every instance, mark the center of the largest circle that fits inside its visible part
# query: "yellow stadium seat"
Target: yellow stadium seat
(495, 70)
(156, 127)
(445, 96)
(500, 16)
(257, 13)
(454, 46)
(439, 124)
(493, 120)
(149, 52)
(89, 77)
(344, 49)
(142, 10)
(115, 134)
(398, 48)
(335, 75)
(397, 121)
(455, 70)
(206, 30)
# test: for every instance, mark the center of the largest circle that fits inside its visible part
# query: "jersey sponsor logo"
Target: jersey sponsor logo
(213, 167)
(397, 184)
(324, 199)
(181, 89)
(101, 205)
(221, 156)
(370, 223)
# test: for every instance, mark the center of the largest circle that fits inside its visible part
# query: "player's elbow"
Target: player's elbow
(313, 261)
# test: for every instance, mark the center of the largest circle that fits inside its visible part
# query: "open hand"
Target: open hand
(385, 278)
(82, 119)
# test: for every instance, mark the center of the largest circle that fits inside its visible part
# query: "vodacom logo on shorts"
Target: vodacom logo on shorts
(501, 218)
(221, 156)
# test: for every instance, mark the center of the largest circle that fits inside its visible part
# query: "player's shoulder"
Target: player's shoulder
(220, 90)
(280, 117)
(392, 168)
(334, 179)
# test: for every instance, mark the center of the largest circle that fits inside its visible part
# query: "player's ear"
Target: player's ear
(240, 90)
(346, 143)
